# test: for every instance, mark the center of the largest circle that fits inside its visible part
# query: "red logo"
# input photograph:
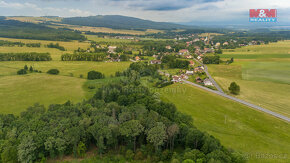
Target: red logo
(263, 13)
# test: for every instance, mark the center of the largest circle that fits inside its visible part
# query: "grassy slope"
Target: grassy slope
(55, 53)
(65, 67)
(20, 92)
(264, 77)
(82, 28)
(237, 126)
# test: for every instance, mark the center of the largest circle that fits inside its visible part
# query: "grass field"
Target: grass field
(19, 92)
(70, 46)
(263, 73)
(66, 68)
(235, 125)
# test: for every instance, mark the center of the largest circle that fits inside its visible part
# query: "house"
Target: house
(189, 72)
(184, 77)
(112, 49)
(183, 51)
(207, 82)
(188, 43)
(198, 80)
(225, 43)
(198, 69)
(188, 56)
(198, 57)
(137, 58)
(176, 78)
(168, 47)
(218, 44)
(191, 63)
(197, 48)
(155, 62)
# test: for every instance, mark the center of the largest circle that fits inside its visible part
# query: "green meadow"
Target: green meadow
(260, 137)
(17, 92)
(263, 73)
(21, 91)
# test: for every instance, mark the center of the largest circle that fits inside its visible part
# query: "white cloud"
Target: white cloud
(78, 12)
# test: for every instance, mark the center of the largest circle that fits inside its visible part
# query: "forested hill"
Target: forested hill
(17, 29)
(121, 22)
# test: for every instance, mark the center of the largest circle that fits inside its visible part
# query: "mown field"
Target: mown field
(262, 138)
(19, 92)
(263, 73)
(70, 46)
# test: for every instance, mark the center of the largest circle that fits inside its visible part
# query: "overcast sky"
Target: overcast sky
(157, 10)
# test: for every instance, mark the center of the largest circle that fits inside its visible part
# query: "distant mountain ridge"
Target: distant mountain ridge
(122, 22)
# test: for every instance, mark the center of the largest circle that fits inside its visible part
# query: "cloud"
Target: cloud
(15, 5)
(35, 10)
(159, 5)
(79, 12)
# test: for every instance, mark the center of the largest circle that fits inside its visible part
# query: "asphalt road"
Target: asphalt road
(240, 101)
(210, 78)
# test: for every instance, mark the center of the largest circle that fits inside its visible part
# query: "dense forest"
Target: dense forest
(122, 116)
(121, 22)
(17, 29)
(25, 56)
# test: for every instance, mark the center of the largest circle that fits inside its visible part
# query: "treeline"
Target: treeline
(82, 56)
(124, 116)
(10, 43)
(173, 62)
(57, 46)
(19, 44)
(17, 29)
(211, 59)
(25, 56)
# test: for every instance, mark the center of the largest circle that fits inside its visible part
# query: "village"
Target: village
(196, 47)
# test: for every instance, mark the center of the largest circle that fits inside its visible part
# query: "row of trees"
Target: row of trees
(19, 44)
(215, 59)
(25, 56)
(57, 46)
(82, 56)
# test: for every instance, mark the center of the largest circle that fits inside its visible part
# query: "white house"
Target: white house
(207, 82)
(112, 49)
(189, 72)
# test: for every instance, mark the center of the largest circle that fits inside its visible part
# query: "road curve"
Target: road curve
(240, 101)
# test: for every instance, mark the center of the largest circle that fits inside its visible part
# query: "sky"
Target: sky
(156, 10)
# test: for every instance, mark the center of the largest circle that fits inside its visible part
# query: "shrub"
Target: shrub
(31, 69)
(81, 75)
(25, 67)
(92, 75)
(129, 154)
(21, 72)
(53, 71)
(91, 87)
(234, 88)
